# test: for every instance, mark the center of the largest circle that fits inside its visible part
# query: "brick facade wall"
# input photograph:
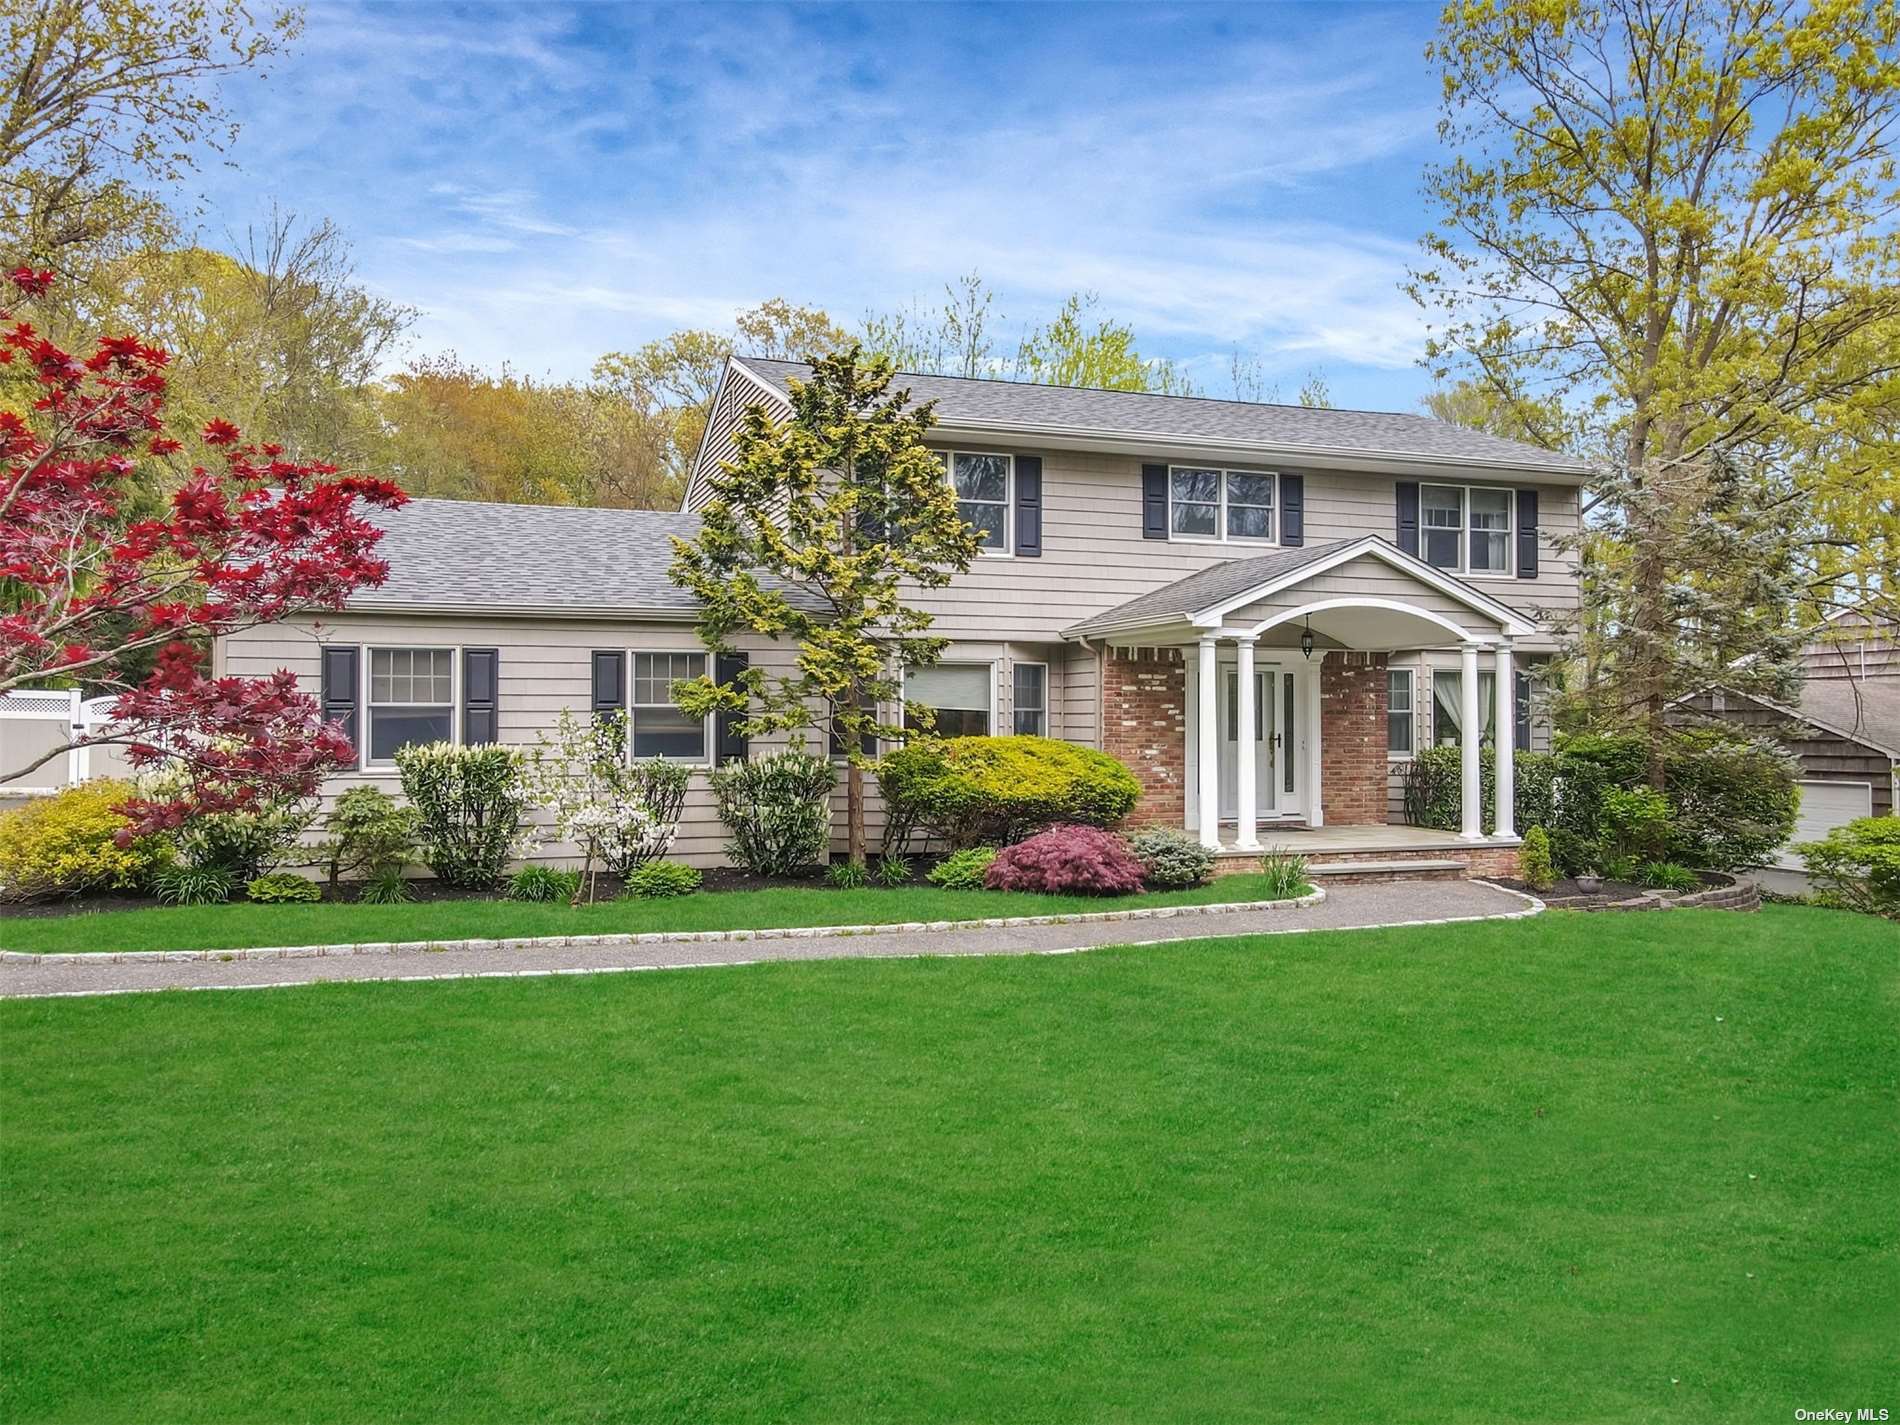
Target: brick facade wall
(1144, 723)
(1352, 690)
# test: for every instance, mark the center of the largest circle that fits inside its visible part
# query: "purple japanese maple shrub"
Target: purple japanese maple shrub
(1077, 860)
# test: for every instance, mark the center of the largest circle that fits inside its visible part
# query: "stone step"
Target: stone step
(1416, 869)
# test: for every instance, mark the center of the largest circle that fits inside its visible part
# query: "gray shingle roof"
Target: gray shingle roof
(558, 559)
(1868, 707)
(1205, 587)
(971, 403)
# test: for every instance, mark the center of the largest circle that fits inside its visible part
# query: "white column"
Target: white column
(1247, 716)
(1207, 755)
(1470, 730)
(1506, 743)
(1310, 734)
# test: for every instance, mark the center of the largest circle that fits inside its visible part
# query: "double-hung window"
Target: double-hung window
(411, 699)
(660, 727)
(1032, 699)
(960, 694)
(1209, 503)
(983, 485)
(1398, 711)
(1466, 529)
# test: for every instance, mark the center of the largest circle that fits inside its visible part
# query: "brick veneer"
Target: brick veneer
(1144, 723)
(1352, 691)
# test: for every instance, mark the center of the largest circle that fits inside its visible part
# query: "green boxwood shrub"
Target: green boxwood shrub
(963, 870)
(1170, 859)
(282, 888)
(470, 802)
(970, 791)
(369, 832)
(778, 810)
(1534, 860)
(660, 880)
(1857, 866)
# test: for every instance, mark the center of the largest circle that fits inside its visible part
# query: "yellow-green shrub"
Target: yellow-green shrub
(996, 790)
(63, 844)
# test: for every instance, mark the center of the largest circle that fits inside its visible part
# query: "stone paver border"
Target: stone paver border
(652, 937)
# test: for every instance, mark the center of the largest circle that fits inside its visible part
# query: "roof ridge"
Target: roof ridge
(1179, 396)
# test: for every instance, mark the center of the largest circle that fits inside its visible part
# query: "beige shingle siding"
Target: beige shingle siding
(1094, 557)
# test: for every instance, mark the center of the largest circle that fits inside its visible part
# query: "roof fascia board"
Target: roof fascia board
(1298, 456)
(624, 613)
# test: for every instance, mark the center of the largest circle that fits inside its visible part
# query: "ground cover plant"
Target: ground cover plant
(221, 927)
(1577, 1168)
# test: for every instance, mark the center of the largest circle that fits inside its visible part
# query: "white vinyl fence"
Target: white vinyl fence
(33, 723)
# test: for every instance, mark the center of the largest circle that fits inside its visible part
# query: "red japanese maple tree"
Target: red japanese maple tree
(85, 585)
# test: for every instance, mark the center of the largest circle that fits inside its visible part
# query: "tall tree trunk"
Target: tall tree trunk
(854, 812)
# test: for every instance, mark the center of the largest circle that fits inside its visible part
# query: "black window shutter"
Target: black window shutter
(1521, 713)
(1029, 506)
(1408, 516)
(1527, 534)
(481, 686)
(610, 681)
(1154, 502)
(728, 744)
(1292, 510)
(342, 685)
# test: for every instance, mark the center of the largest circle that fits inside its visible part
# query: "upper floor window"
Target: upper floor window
(1208, 503)
(1466, 529)
(983, 492)
(660, 728)
(411, 699)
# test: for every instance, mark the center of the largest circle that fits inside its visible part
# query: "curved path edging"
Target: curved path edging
(651, 937)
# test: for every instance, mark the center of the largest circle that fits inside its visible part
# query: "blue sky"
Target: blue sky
(549, 182)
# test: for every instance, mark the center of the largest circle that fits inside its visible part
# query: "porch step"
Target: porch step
(1415, 869)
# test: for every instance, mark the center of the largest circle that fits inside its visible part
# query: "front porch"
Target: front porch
(1251, 701)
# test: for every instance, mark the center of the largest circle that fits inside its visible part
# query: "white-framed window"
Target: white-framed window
(1206, 502)
(1032, 699)
(660, 728)
(1400, 684)
(962, 695)
(1448, 705)
(1467, 529)
(984, 485)
(411, 700)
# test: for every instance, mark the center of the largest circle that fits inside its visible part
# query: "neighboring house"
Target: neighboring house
(1845, 731)
(1262, 610)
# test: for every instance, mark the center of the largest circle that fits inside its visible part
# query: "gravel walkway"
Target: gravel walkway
(1345, 908)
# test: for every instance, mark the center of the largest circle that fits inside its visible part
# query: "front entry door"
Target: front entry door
(1276, 748)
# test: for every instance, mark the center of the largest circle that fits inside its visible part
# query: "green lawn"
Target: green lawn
(1603, 1168)
(223, 927)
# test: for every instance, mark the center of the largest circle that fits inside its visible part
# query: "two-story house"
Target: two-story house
(1263, 610)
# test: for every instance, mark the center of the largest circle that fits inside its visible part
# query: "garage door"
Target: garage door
(1824, 806)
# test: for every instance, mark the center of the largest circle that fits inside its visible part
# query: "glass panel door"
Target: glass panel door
(1265, 717)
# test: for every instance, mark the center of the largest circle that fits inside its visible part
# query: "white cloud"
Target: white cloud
(547, 185)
